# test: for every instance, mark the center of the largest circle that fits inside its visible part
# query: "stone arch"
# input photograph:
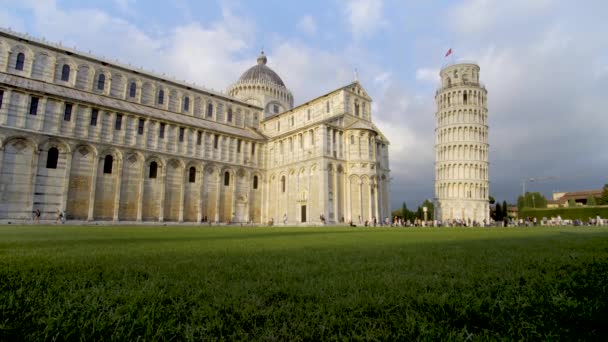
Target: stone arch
(173, 104)
(84, 77)
(42, 68)
(148, 93)
(118, 85)
(227, 193)
(152, 189)
(19, 156)
(4, 49)
(192, 191)
(107, 184)
(102, 81)
(59, 66)
(28, 62)
(131, 192)
(81, 184)
(174, 180)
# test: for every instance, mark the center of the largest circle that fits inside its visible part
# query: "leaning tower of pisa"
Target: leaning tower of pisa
(461, 146)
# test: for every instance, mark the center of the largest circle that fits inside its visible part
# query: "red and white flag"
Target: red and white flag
(449, 52)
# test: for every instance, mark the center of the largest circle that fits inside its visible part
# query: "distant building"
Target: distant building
(561, 199)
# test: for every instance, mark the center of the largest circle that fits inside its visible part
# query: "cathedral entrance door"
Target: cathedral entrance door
(303, 213)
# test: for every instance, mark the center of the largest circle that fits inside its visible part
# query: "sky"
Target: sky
(544, 63)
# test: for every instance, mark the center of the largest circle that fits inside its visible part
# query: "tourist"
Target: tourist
(285, 218)
(37, 215)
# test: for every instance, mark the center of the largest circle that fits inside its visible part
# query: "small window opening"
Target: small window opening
(65, 73)
(153, 170)
(107, 164)
(192, 175)
(67, 112)
(226, 178)
(52, 158)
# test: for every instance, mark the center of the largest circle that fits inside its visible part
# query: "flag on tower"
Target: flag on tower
(449, 52)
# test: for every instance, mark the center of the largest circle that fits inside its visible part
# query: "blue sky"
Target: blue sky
(544, 62)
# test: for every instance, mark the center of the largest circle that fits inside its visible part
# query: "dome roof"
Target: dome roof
(261, 72)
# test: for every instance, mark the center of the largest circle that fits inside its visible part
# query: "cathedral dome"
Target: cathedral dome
(261, 72)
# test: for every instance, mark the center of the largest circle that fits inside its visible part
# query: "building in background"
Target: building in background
(564, 199)
(105, 141)
(461, 146)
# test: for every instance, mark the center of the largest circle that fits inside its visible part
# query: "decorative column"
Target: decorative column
(233, 201)
(140, 190)
(32, 185)
(201, 193)
(161, 211)
(360, 199)
(66, 182)
(6, 104)
(217, 195)
(90, 216)
(117, 188)
(379, 199)
(323, 203)
(371, 198)
(376, 207)
(336, 195)
(348, 212)
(182, 194)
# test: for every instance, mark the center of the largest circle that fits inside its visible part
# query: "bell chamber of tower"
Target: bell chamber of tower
(461, 146)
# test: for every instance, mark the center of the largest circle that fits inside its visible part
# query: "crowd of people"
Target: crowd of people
(397, 221)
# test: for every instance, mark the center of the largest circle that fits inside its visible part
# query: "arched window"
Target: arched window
(209, 110)
(161, 97)
(107, 164)
(192, 175)
(132, 89)
(20, 61)
(52, 158)
(464, 98)
(153, 170)
(229, 114)
(101, 81)
(65, 73)
(186, 103)
(283, 184)
(352, 139)
(255, 182)
(226, 178)
(357, 108)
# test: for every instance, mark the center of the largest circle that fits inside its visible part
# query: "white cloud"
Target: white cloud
(430, 75)
(307, 25)
(475, 16)
(365, 17)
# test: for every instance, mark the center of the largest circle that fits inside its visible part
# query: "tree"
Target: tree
(404, 211)
(492, 200)
(498, 212)
(531, 200)
(505, 210)
(571, 203)
(591, 201)
(604, 197)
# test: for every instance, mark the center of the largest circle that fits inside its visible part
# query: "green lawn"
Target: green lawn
(129, 283)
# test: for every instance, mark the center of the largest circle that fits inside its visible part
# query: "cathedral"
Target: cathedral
(99, 140)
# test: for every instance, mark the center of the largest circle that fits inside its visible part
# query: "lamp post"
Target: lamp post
(425, 209)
